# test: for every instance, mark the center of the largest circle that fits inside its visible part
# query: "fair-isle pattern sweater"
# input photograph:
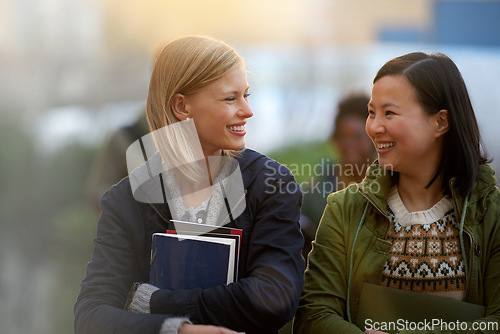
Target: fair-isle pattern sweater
(425, 255)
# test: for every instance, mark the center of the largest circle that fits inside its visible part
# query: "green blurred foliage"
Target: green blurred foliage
(47, 230)
(301, 158)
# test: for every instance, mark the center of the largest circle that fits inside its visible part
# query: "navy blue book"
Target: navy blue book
(182, 261)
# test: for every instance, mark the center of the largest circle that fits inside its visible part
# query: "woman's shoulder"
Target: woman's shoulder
(351, 194)
(263, 175)
(118, 193)
(486, 191)
(256, 163)
(353, 199)
(486, 182)
(249, 157)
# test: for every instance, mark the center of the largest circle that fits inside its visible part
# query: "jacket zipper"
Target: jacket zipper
(372, 203)
(468, 273)
(468, 270)
(158, 212)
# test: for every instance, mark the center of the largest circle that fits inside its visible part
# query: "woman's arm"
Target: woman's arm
(322, 306)
(109, 278)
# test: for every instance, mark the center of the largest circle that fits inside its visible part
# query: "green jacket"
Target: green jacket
(350, 249)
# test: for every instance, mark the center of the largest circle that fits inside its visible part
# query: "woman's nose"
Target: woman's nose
(245, 110)
(374, 126)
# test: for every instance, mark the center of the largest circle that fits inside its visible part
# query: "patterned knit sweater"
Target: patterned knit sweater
(426, 254)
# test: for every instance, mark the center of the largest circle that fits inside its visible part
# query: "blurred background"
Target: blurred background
(73, 72)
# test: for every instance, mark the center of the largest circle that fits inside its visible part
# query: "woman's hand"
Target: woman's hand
(372, 331)
(204, 329)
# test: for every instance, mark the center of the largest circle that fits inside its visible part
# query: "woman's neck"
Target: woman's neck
(416, 196)
(196, 192)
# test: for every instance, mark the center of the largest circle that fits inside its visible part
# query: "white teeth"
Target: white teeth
(236, 128)
(385, 145)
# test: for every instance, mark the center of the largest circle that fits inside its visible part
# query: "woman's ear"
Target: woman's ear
(442, 124)
(178, 105)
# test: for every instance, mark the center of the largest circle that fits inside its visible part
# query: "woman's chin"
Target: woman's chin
(236, 146)
(386, 165)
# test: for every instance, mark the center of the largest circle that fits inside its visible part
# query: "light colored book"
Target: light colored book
(380, 304)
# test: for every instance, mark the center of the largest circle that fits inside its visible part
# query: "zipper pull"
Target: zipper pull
(477, 250)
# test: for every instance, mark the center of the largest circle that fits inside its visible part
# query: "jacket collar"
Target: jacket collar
(378, 182)
(484, 184)
(250, 164)
(376, 185)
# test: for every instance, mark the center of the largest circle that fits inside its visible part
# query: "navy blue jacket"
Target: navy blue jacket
(271, 266)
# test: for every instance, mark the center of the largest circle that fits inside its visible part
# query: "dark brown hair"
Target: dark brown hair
(439, 85)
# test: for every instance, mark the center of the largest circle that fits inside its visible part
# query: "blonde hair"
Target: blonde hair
(184, 66)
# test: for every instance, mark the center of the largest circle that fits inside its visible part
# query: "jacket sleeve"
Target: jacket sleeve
(109, 278)
(267, 297)
(322, 307)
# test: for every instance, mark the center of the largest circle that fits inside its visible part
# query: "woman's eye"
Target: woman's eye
(233, 98)
(371, 113)
(388, 113)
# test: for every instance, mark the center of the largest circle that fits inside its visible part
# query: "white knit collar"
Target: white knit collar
(212, 205)
(405, 218)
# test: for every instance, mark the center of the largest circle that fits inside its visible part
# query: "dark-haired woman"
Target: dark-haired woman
(427, 216)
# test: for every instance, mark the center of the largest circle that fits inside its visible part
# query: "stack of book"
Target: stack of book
(190, 255)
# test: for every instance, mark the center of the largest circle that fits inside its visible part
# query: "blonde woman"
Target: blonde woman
(199, 92)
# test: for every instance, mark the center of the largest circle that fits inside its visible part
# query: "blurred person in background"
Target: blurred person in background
(201, 81)
(109, 166)
(355, 153)
(425, 219)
